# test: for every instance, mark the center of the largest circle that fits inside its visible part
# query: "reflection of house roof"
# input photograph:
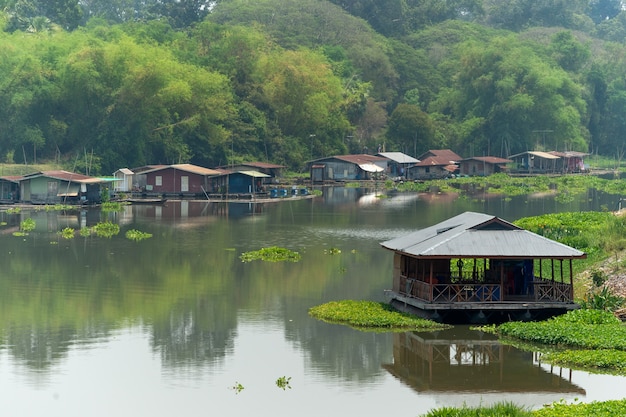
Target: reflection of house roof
(477, 235)
(494, 160)
(399, 157)
(194, 169)
(544, 155)
(64, 176)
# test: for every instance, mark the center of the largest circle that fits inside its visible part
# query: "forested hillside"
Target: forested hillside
(128, 82)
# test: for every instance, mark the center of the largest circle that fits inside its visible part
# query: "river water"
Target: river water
(178, 325)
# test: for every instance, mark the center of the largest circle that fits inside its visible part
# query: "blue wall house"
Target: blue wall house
(60, 187)
(347, 168)
(239, 182)
(273, 170)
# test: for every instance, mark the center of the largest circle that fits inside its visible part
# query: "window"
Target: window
(158, 181)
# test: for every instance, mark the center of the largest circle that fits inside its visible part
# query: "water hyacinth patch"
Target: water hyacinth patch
(366, 315)
(106, 229)
(137, 235)
(271, 254)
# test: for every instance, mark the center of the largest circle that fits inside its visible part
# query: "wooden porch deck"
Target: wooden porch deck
(482, 302)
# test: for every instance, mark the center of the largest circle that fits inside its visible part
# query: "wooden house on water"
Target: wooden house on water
(347, 168)
(60, 187)
(479, 268)
(183, 180)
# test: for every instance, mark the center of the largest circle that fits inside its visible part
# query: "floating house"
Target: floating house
(347, 167)
(535, 162)
(570, 161)
(398, 163)
(434, 164)
(479, 268)
(483, 165)
(272, 170)
(60, 187)
(239, 182)
(9, 189)
(123, 180)
(179, 179)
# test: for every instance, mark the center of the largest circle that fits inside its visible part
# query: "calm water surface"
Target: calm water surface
(168, 326)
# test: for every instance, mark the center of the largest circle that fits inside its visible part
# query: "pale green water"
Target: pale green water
(167, 326)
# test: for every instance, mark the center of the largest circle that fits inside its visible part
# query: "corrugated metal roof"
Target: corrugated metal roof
(539, 154)
(439, 157)
(477, 235)
(399, 157)
(357, 159)
(124, 171)
(194, 169)
(489, 159)
(263, 165)
(255, 174)
(64, 175)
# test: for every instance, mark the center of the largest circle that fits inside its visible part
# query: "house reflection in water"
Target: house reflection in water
(456, 362)
(200, 211)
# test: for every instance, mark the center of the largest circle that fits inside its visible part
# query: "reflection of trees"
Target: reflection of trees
(73, 291)
(195, 336)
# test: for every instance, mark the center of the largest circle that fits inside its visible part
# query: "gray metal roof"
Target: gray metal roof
(477, 235)
(399, 157)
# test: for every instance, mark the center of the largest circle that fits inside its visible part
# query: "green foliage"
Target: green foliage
(271, 254)
(237, 387)
(112, 206)
(106, 229)
(85, 232)
(370, 315)
(590, 329)
(602, 300)
(497, 410)
(597, 409)
(14, 210)
(67, 233)
(137, 235)
(27, 225)
(283, 383)
(332, 251)
(604, 360)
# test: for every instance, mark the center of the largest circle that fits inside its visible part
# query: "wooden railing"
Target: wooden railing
(541, 290)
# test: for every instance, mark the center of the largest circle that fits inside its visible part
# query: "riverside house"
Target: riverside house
(479, 268)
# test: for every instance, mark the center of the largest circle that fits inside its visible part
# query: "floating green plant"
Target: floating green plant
(283, 382)
(67, 233)
(137, 235)
(271, 254)
(112, 206)
(3, 223)
(27, 225)
(85, 232)
(59, 207)
(106, 229)
(332, 251)
(14, 210)
(370, 315)
(237, 387)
